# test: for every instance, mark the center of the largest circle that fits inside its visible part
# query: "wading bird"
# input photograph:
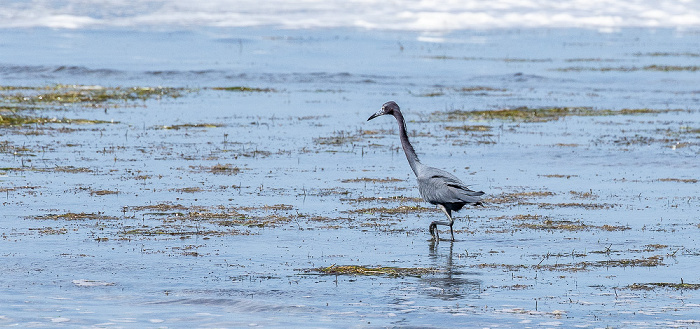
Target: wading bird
(435, 185)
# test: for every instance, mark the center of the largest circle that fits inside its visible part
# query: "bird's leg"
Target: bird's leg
(452, 221)
(433, 228)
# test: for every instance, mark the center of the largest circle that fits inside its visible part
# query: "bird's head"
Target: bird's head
(388, 108)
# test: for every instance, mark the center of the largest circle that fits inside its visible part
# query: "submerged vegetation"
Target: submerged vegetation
(245, 89)
(527, 114)
(658, 68)
(651, 261)
(16, 100)
(192, 125)
(372, 180)
(19, 120)
(654, 285)
(339, 138)
(495, 59)
(82, 94)
(566, 225)
(469, 128)
(75, 216)
(379, 270)
(392, 211)
(472, 91)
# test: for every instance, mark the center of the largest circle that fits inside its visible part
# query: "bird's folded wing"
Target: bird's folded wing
(441, 188)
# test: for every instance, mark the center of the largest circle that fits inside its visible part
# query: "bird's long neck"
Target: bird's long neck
(407, 147)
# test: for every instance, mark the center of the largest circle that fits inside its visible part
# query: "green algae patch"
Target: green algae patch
(188, 190)
(652, 247)
(372, 180)
(220, 216)
(21, 120)
(572, 226)
(668, 285)
(399, 199)
(583, 195)
(392, 211)
(563, 225)
(667, 54)
(179, 231)
(468, 128)
(245, 89)
(49, 230)
(493, 59)
(104, 192)
(339, 138)
(191, 125)
(653, 68)
(74, 216)
(82, 94)
(373, 271)
(679, 180)
(472, 91)
(57, 169)
(227, 169)
(558, 176)
(588, 206)
(652, 261)
(516, 197)
(527, 114)
(160, 207)
(218, 169)
(519, 217)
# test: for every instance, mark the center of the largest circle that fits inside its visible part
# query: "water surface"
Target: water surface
(213, 207)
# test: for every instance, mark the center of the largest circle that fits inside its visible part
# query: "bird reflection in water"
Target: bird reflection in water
(452, 281)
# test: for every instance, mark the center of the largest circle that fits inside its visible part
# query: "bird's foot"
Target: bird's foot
(434, 232)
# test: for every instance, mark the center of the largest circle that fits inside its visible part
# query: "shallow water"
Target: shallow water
(212, 209)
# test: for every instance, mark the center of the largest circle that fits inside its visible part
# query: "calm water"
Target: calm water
(178, 243)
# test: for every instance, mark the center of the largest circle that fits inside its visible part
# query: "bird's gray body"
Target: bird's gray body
(436, 186)
(442, 188)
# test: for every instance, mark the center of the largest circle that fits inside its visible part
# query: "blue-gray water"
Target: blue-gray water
(302, 150)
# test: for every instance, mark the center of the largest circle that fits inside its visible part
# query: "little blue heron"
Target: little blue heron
(435, 185)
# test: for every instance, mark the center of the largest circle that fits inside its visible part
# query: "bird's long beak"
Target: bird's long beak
(375, 115)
